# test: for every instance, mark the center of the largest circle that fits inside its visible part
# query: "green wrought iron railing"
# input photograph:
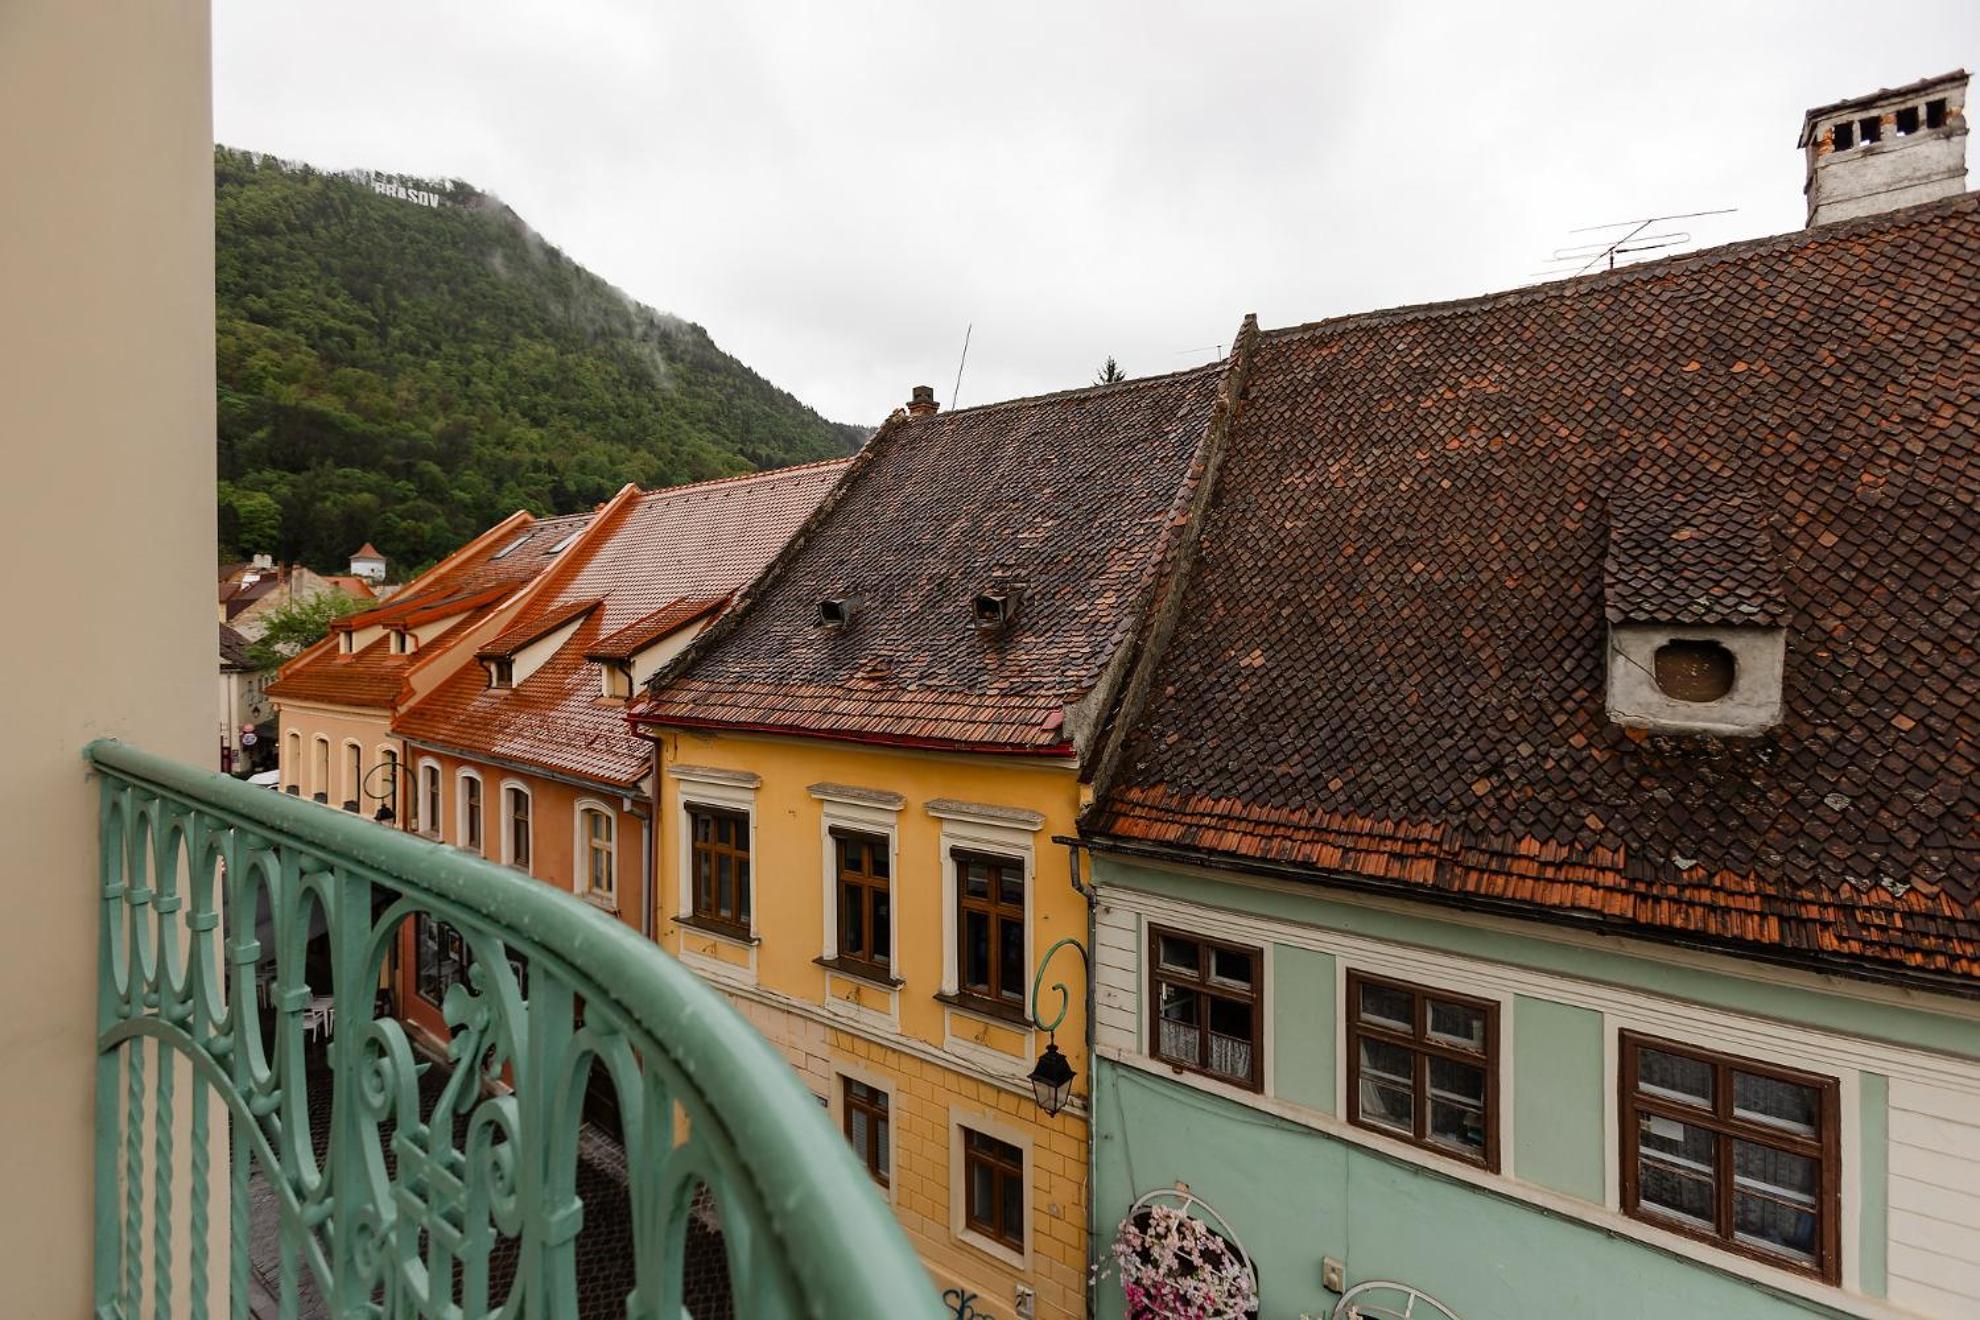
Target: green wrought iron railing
(428, 1198)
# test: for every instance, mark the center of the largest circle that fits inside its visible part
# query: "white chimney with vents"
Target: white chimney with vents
(1892, 148)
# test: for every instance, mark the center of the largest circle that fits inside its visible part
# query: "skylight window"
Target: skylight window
(561, 544)
(512, 546)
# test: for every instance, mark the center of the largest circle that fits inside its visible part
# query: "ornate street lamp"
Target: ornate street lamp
(1051, 1081)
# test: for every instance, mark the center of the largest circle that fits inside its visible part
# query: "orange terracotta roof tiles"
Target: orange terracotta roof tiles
(465, 587)
(1389, 667)
(673, 554)
(641, 633)
(1079, 497)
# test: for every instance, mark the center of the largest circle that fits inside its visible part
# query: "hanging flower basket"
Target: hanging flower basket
(1174, 1266)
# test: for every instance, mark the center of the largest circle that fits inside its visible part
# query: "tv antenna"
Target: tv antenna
(956, 393)
(1620, 238)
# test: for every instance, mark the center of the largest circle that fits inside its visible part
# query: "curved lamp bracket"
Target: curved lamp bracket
(1065, 996)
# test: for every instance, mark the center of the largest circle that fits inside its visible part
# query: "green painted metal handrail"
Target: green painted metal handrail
(419, 1195)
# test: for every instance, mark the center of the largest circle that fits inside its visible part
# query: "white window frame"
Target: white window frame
(435, 804)
(581, 853)
(508, 840)
(999, 832)
(990, 1125)
(461, 811)
(297, 771)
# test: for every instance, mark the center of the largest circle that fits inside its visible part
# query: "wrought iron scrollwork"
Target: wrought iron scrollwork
(240, 932)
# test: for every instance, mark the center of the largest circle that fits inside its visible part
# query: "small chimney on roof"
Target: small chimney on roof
(1892, 148)
(923, 403)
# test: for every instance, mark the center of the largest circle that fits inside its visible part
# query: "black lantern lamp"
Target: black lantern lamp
(1051, 1081)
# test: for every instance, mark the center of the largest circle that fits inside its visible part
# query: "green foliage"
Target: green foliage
(408, 375)
(297, 624)
(1110, 374)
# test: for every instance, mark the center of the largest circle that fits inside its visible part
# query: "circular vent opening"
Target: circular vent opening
(1694, 670)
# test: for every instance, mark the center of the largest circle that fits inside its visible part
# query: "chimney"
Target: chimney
(1892, 148)
(923, 403)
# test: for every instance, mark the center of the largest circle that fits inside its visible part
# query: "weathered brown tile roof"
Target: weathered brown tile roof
(234, 650)
(1077, 496)
(665, 557)
(1390, 666)
(1687, 546)
(467, 585)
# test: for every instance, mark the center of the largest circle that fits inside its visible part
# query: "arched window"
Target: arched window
(429, 809)
(292, 762)
(597, 838)
(386, 791)
(319, 770)
(353, 775)
(471, 837)
(515, 825)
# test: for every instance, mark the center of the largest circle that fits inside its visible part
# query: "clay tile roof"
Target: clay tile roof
(1389, 670)
(1079, 495)
(675, 553)
(515, 639)
(641, 633)
(464, 587)
(367, 551)
(1689, 550)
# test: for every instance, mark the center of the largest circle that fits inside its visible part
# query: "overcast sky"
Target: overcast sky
(836, 191)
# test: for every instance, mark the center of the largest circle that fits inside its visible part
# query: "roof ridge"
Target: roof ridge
(1214, 366)
(1901, 218)
(736, 477)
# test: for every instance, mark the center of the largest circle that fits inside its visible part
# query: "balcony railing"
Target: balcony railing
(428, 1197)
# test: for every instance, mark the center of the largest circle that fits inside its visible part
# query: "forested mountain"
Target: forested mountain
(406, 373)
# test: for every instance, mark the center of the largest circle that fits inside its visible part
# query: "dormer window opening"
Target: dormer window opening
(1935, 113)
(403, 642)
(618, 679)
(501, 673)
(1690, 669)
(836, 611)
(1844, 136)
(1870, 130)
(997, 606)
(347, 642)
(1906, 121)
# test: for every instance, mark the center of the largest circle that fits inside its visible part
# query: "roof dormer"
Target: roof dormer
(516, 654)
(1696, 614)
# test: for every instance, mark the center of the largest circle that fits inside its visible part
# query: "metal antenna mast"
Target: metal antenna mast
(1579, 258)
(956, 393)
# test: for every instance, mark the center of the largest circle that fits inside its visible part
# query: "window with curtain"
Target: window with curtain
(1738, 1152)
(1209, 1006)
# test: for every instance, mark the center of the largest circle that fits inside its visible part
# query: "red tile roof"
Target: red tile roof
(641, 633)
(466, 585)
(1079, 496)
(1389, 668)
(671, 554)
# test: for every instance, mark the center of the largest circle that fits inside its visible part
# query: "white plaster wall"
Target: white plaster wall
(106, 452)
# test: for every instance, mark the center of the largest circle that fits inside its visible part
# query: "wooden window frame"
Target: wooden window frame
(1206, 988)
(997, 912)
(1003, 1171)
(474, 821)
(518, 827)
(435, 792)
(1422, 1049)
(1825, 1148)
(706, 916)
(879, 1160)
(870, 886)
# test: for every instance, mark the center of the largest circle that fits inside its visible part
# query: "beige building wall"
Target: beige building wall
(106, 433)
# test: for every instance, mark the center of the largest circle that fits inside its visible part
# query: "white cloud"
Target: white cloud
(834, 191)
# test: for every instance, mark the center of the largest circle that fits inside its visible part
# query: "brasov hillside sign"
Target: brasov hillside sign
(393, 188)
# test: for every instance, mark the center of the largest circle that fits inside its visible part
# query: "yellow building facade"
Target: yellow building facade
(915, 1034)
